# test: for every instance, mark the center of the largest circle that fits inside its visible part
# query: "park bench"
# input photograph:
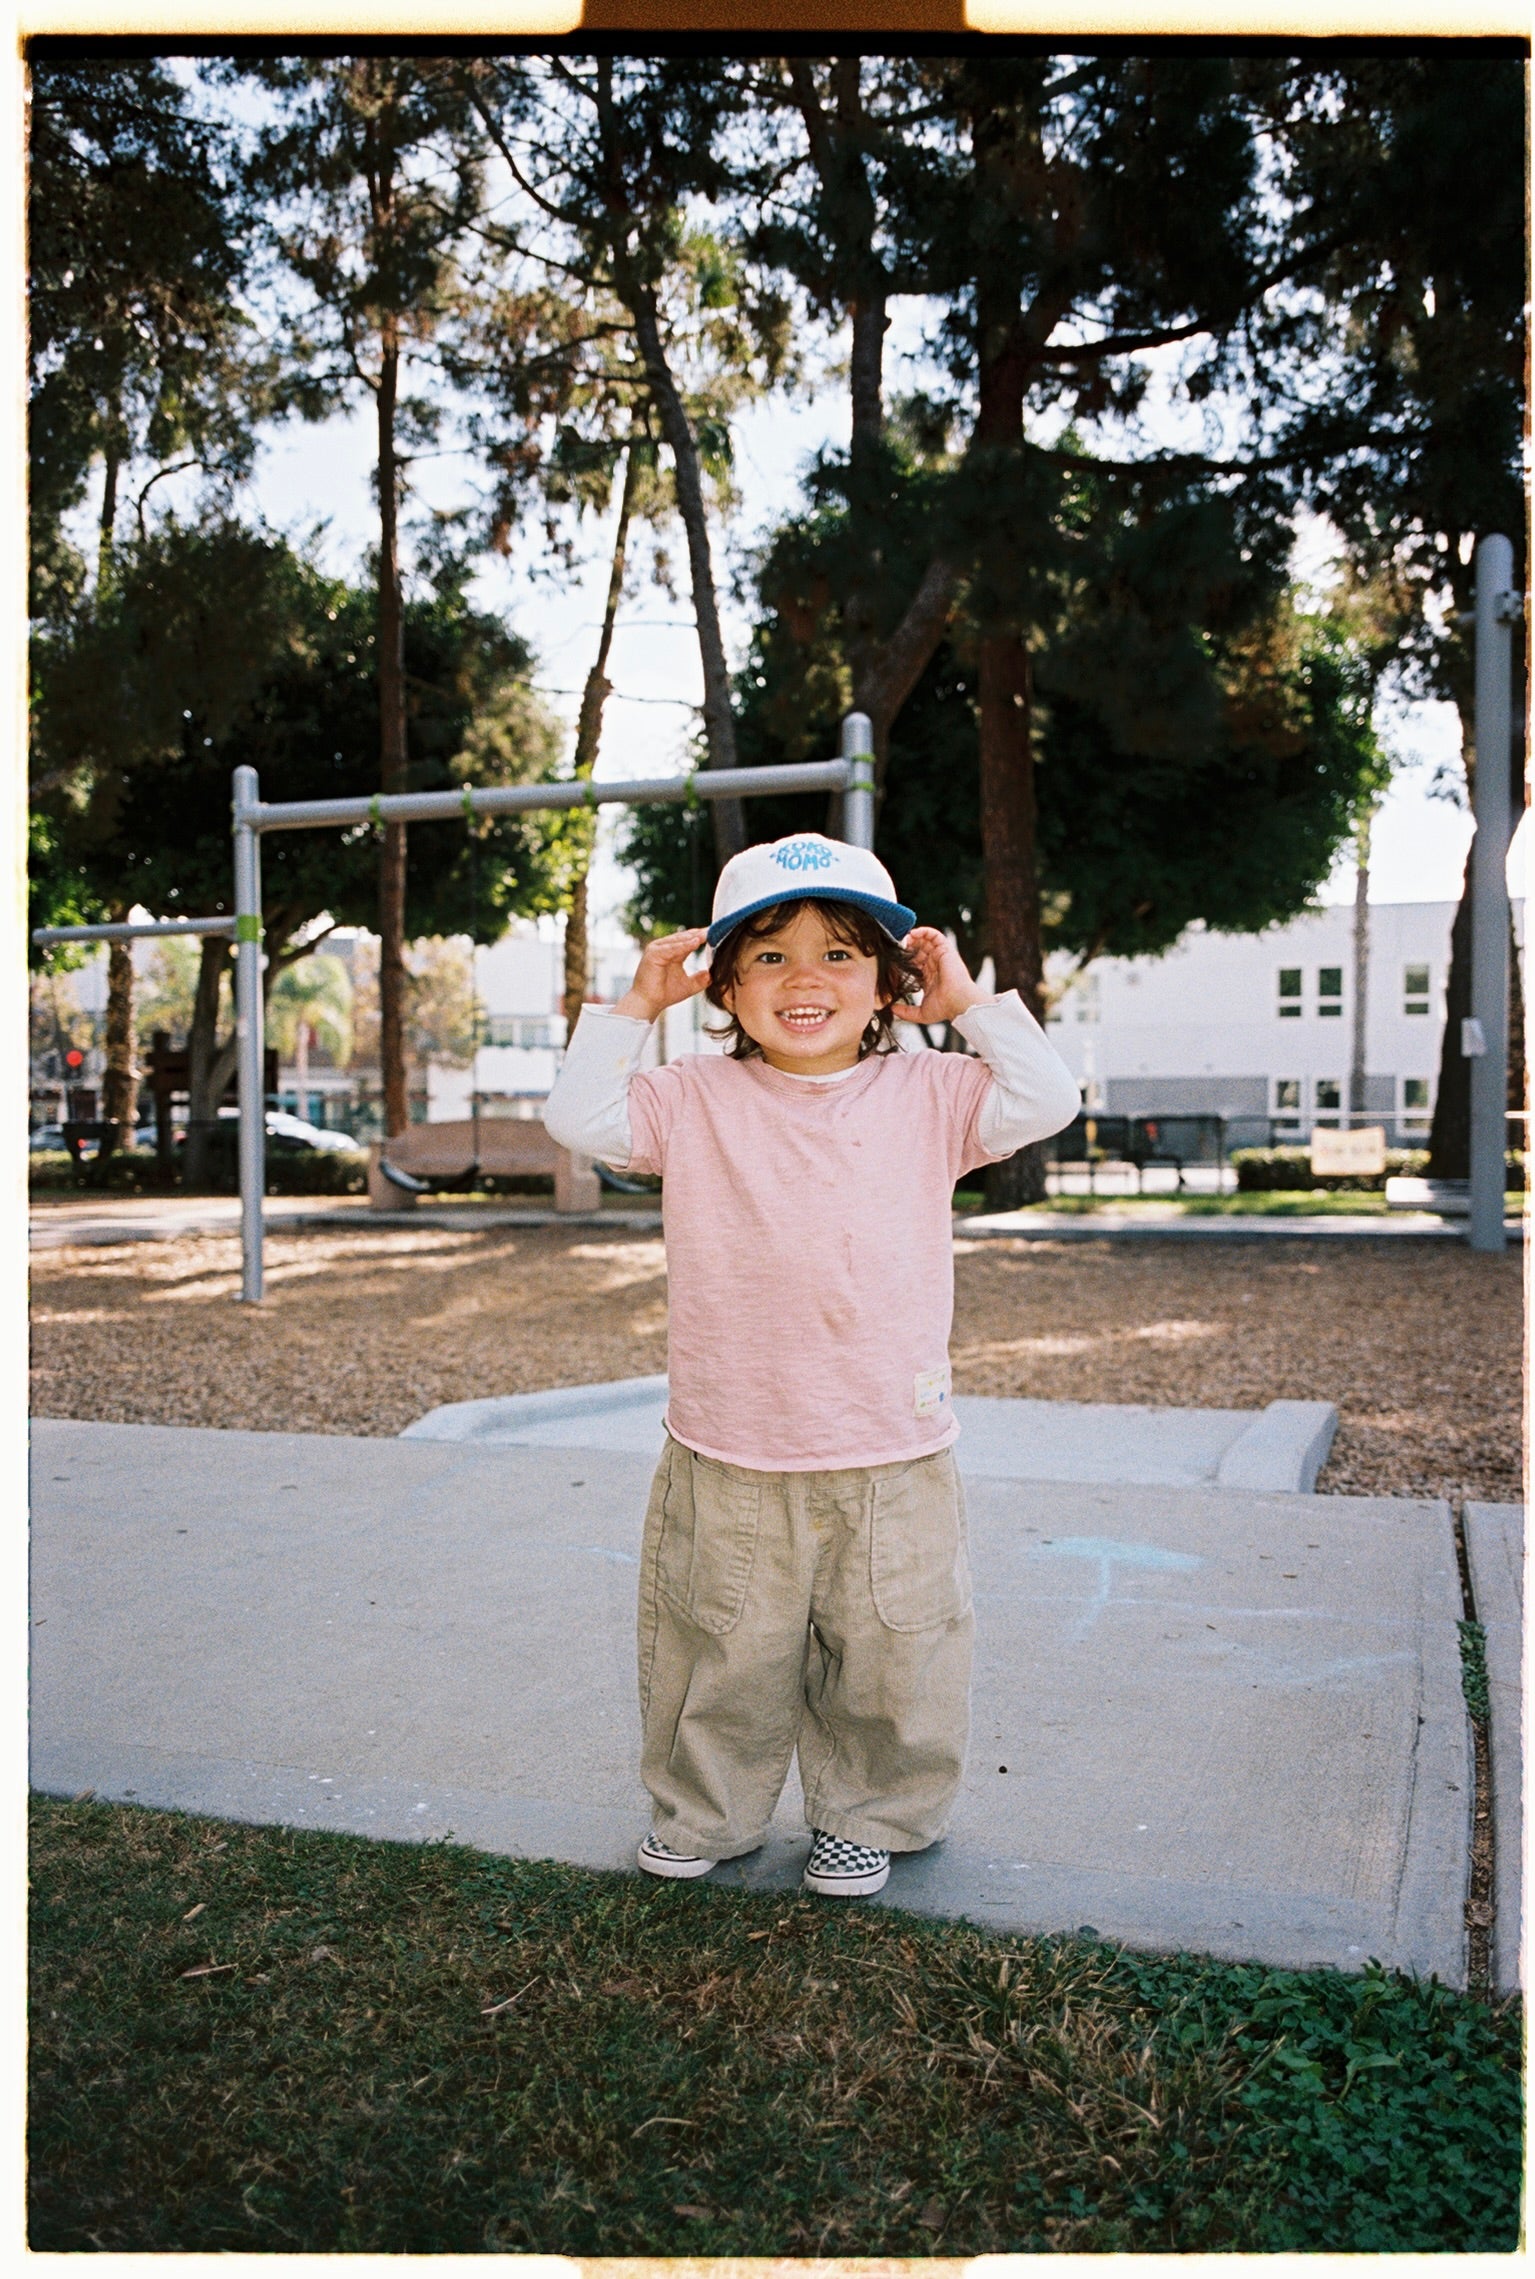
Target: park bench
(1171, 1142)
(505, 1147)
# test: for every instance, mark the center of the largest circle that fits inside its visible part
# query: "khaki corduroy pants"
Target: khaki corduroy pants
(828, 1612)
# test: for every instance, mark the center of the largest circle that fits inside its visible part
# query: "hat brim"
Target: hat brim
(893, 918)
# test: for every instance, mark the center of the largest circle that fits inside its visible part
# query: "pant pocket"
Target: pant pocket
(709, 1519)
(919, 1564)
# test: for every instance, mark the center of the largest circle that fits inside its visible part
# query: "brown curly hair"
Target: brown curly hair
(899, 978)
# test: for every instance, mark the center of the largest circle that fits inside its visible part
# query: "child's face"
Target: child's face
(805, 997)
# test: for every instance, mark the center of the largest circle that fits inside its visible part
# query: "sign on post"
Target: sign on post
(1357, 1154)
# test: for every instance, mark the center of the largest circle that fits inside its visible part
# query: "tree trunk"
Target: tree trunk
(1449, 1142)
(108, 520)
(120, 1081)
(1355, 1113)
(883, 673)
(719, 717)
(393, 756)
(1004, 681)
(1009, 867)
(208, 1066)
(1449, 1139)
(588, 737)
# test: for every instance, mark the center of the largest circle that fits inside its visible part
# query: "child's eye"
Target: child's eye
(845, 955)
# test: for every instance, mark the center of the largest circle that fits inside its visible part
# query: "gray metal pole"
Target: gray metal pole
(1485, 1040)
(858, 798)
(250, 1028)
(530, 799)
(156, 930)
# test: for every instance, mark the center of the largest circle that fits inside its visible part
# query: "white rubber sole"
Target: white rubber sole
(676, 1868)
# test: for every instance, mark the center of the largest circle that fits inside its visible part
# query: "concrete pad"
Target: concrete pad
(1229, 1723)
(1495, 1556)
(1091, 1442)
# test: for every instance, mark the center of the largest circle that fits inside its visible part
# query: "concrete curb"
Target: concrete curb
(1280, 1449)
(1284, 1447)
(1495, 1557)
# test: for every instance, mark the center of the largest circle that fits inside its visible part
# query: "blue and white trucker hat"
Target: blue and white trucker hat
(803, 868)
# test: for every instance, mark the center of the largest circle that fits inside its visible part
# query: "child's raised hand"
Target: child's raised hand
(947, 989)
(661, 979)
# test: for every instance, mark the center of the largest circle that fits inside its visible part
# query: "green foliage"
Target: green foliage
(59, 893)
(218, 646)
(136, 1171)
(1381, 2114)
(1200, 756)
(1262, 1170)
(265, 2039)
(368, 176)
(1473, 1669)
(165, 992)
(1401, 384)
(52, 1171)
(139, 351)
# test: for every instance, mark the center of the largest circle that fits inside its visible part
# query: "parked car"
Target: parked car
(291, 1135)
(50, 1136)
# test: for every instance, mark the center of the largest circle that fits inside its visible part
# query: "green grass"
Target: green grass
(1287, 1203)
(254, 2039)
(1281, 1203)
(1473, 1669)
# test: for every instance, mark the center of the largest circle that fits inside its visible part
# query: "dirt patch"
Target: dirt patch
(1419, 1343)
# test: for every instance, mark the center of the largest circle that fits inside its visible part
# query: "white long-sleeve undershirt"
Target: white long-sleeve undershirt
(1033, 1092)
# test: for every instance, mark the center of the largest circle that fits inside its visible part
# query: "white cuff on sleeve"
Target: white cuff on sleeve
(1034, 1093)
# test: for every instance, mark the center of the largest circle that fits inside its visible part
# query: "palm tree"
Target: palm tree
(311, 1003)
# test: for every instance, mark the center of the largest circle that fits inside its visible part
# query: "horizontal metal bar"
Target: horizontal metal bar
(46, 936)
(526, 799)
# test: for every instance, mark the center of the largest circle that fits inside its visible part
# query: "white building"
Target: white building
(520, 985)
(1261, 1026)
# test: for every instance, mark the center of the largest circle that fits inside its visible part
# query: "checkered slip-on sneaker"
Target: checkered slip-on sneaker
(657, 1858)
(840, 1870)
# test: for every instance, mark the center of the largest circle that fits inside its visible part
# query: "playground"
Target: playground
(1225, 1761)
(1418, 1343)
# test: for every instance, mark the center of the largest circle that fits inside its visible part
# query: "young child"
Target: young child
(804, 1582)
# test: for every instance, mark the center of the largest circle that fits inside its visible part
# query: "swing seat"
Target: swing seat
(444, 1159)
(447, 1183)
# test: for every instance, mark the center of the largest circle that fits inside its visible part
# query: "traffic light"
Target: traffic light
(74, 1058)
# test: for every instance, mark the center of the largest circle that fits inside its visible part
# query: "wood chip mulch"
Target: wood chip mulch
(1419, 1343)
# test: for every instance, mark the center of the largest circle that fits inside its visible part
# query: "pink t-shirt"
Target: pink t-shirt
(809, 1253)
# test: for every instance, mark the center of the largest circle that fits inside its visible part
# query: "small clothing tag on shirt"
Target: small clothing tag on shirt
(931, 1391)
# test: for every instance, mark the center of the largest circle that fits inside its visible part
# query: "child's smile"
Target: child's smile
(805, 996)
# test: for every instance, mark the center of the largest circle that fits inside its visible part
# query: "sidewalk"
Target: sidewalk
(1204, 1719)
(67, 1221)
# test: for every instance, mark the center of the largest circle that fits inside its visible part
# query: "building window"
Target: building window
(1327, 1096)
(1415, 990)
(529, 1031)
(1289, 993)
(1415, 1103)
(1084, 994)
(1329, 990)
(1287, 1101)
